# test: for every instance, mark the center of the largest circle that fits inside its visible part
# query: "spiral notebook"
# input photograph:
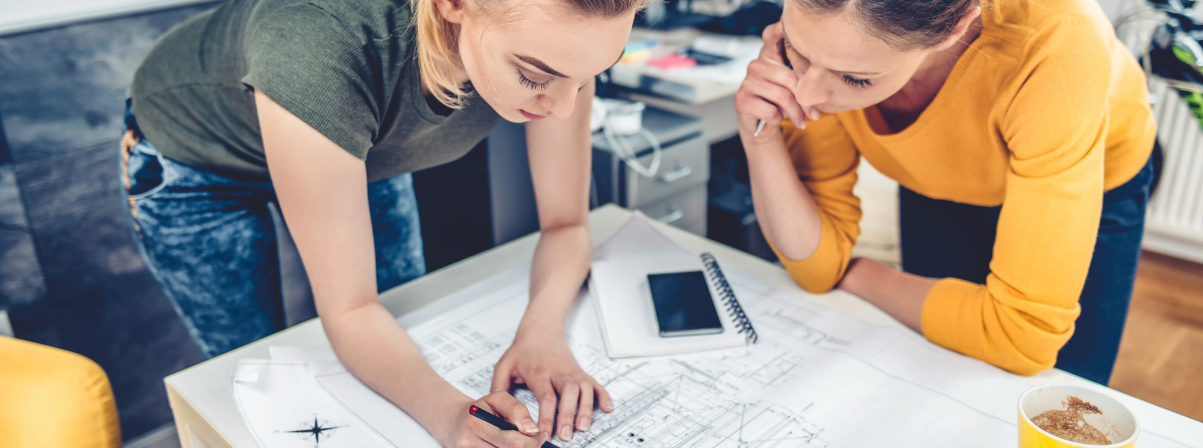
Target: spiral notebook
(619, 288)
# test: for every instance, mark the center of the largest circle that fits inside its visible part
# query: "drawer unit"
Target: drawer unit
(686, 211)
(684, 163)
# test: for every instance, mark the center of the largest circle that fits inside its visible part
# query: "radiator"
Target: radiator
(1174, 224)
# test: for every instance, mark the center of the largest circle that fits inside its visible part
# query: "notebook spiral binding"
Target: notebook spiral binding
(727, 295)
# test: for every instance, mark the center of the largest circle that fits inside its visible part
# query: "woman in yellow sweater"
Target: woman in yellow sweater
(1020, 134)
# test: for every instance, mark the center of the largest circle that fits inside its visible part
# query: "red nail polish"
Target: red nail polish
(472, 410)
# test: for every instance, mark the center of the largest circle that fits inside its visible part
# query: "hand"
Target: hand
(767, 93)
(544, 363)
(472, 432)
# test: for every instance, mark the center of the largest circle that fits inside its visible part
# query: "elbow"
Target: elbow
(813, 284)
(1014, 332)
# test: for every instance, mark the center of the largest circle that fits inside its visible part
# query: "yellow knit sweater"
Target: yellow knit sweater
(1043, 113)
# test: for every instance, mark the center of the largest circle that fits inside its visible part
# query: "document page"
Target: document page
(816, 378)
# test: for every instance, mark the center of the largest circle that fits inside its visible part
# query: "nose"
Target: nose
(559, 104)
(811, 88)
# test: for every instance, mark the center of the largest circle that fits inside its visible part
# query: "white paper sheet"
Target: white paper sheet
(817, 378)
(284, 407)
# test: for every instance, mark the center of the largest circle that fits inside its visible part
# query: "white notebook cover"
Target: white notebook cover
(623, 299)
(628, 319)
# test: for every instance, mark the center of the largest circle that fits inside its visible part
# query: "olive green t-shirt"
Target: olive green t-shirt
(345, 67)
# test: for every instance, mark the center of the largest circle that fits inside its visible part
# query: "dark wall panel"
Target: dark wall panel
(61, 103)
(64, 88)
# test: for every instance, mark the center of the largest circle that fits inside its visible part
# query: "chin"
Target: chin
(513, 116)
(507, 112)
(837, 109)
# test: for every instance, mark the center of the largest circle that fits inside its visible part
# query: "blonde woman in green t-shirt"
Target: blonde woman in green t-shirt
(325, 106)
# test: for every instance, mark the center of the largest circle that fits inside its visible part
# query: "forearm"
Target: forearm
(786, 210)
(899, 294)
(374, 347)
(561, 263)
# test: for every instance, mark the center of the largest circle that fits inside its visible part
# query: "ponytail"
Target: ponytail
(438, 53)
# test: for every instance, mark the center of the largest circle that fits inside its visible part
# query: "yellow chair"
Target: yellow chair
(51, 398)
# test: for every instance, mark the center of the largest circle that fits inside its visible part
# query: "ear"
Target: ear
(957, 33)
(451, 10)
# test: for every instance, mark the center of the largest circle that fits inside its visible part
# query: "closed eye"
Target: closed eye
(857, 82)
(540, 86)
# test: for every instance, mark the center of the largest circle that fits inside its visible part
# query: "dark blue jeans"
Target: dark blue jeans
(211, 243)
(943, 239)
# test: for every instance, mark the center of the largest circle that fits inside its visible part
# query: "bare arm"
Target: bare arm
(899, 294)
(784, 207)
(559, 150)
(322, 191)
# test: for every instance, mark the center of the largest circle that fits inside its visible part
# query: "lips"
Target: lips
(531, 116)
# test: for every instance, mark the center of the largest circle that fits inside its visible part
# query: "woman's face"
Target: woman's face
(532, 64)
(840, 67)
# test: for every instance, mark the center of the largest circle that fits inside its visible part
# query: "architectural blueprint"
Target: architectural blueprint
(817, 378)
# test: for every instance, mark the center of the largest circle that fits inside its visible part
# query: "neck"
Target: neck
(922, 88)
(457, 72)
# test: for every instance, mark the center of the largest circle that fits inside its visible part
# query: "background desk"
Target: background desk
(206, 415)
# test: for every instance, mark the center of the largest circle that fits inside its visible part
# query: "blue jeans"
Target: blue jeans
(945, 239)
(210, 242)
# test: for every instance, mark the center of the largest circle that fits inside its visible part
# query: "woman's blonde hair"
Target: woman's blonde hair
(438, 42)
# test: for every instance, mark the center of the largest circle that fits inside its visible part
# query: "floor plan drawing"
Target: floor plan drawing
(816, 378)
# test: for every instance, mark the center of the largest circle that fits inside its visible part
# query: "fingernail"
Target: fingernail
(566, 433)
(584, 424)
(529, 425)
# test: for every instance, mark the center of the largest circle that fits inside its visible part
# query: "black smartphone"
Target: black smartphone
(784, 56)
(704, 58)
(683, 304)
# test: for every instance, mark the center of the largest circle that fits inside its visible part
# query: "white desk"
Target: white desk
(206, 415)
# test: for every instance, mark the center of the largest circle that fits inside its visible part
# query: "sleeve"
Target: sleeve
(309, 63)
(1054, 128)
(826, 160)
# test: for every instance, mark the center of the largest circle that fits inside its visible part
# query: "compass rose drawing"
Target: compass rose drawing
(314, 431)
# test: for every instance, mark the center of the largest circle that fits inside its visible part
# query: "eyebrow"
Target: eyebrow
(540, 65)
(790, 47)
(551, 71)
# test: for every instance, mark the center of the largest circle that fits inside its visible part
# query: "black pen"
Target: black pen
(498, 422)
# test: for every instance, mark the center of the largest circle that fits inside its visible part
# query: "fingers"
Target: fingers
(780, 97)
(487, 435)
(778, 75)
(512, 410)
(502, 373)
(570, 393)
(546, 395)
(753, 108)
(584, 412)
(772, 35)
(603, 397)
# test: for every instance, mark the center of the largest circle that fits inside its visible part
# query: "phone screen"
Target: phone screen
(683, 304)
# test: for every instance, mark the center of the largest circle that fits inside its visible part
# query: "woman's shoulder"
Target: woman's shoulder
(1031, 22)
(370, 19)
